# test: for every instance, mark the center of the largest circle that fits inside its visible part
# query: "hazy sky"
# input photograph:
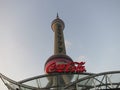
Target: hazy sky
(92, 34)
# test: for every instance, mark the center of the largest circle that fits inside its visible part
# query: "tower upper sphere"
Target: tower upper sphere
(57, 24)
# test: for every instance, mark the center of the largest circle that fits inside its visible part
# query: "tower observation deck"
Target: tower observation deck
(61, 73)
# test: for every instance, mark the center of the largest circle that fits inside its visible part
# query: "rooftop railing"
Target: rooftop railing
(66, 81)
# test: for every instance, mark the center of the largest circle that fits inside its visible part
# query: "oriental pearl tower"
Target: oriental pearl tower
(59, 56)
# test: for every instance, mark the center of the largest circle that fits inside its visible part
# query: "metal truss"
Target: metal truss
(66, 81)
(100, 81)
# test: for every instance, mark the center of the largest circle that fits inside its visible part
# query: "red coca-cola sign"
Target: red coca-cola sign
(71, 67)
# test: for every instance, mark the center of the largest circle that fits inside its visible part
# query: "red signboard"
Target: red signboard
(72, 67)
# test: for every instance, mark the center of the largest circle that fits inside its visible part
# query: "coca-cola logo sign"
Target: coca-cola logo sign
(71, 67)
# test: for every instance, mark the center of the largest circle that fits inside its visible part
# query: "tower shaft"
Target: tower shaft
(59, 44)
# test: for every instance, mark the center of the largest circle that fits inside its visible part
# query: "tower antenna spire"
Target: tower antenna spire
(57, 15)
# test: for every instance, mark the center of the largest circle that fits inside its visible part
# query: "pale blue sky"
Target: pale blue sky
(92, 34)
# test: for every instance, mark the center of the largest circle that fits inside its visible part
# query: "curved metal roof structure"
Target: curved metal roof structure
(79, 81)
